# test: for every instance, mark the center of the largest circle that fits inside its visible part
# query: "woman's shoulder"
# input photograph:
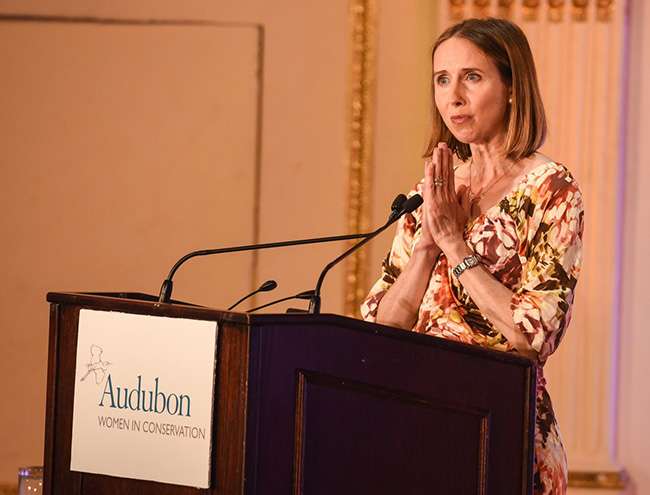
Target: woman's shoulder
(549, 191)
(551, 177)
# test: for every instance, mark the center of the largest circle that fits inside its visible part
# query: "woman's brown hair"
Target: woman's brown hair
(506, 45)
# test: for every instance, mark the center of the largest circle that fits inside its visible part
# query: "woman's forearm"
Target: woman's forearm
(400, 306)
(492, 298)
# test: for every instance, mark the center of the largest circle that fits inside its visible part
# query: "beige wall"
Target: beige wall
(406, 31)
(301, 161)
(631, 430)
(633, 446)
(111, 167)
(133, 133)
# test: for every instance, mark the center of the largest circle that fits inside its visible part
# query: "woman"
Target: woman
(493, 255)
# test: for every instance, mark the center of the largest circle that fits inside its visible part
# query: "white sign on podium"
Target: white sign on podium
(143, 397)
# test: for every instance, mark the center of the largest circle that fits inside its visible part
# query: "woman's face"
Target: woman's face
(469, 92)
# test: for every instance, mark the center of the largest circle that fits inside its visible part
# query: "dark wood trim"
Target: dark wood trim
(299, 434)
(531, 410)
(143, 304)
(232, 391)
(483, 455)
(50, 405)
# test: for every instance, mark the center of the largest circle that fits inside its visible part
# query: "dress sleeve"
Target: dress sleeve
(408, 232)
(541, 307)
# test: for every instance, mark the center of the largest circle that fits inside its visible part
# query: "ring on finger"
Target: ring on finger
(437, 182)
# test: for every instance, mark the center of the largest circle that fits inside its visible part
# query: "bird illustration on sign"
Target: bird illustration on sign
(97, 365)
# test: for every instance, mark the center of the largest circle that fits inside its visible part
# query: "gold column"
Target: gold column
(362, 43)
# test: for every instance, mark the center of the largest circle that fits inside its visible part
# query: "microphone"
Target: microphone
(407, 206)
(267, 286)
(303, 295)
(396, 207)
(168, 285)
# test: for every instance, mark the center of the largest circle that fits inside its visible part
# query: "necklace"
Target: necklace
(474, 199)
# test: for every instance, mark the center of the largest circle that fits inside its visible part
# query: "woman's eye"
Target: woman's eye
(442, 80)
(473, 77)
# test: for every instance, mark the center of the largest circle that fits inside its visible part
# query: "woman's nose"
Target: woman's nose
(456, 96)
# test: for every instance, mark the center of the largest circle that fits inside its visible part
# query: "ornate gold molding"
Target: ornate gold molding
(361, 95)
(506, 8)
(532, 9)
(607, 480)
(604, 10)
(457, 9)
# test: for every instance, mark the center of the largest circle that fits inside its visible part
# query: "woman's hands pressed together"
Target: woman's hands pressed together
(445, 210)
(445, 213)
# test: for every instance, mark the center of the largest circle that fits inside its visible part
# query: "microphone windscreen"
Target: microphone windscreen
(268, 285)
(308, 294)
(398, 202)
(412, 203)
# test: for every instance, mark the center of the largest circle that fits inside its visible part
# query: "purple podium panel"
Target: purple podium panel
(364, 408)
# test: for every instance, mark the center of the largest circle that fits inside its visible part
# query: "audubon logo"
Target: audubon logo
(139, 399)
(134, 398)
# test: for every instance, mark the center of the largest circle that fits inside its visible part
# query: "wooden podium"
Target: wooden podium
(324, 405)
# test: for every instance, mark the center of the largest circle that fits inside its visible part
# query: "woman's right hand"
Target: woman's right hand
(426, 240)
(445, 211)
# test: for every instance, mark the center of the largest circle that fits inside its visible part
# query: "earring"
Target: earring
(510, 100)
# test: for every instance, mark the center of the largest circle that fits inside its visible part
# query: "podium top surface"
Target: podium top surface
(132, 302)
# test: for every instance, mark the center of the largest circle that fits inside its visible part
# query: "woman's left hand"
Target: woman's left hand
(446, 209)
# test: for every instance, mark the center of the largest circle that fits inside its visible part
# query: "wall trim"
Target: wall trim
(122, 21)
(363, 22)
(598, 479)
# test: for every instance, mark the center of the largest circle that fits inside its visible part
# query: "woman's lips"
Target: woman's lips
(459, 119)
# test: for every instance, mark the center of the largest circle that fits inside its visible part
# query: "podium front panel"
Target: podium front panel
(361, 408)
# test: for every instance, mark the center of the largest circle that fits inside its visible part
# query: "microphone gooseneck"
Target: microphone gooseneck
(398, 208)
(302, 295)
(168, 285)
(267, 286)
(407, 206)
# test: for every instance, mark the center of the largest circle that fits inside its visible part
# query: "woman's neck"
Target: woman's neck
(489, 162)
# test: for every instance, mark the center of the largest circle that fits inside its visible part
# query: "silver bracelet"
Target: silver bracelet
(468, 262)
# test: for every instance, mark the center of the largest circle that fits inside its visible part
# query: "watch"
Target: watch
(468, 262)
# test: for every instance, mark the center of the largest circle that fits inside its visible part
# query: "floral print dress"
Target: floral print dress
(531, 242)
